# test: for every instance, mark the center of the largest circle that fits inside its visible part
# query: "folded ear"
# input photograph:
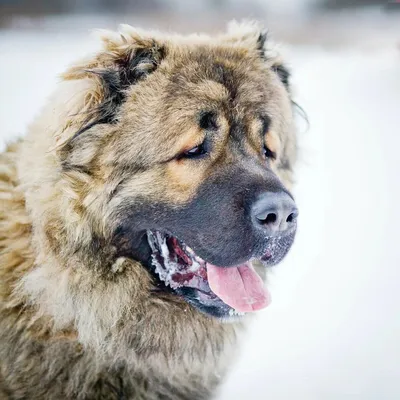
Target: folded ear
(125, 59)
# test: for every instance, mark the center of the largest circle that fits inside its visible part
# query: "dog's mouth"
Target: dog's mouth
(222, 292)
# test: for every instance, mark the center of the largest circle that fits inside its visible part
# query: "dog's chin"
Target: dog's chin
(178, 269)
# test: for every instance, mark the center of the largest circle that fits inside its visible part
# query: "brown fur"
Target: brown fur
(78, 321)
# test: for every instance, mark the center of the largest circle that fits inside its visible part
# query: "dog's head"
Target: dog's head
(181, 158)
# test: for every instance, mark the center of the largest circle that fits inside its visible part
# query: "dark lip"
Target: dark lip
(218, 310)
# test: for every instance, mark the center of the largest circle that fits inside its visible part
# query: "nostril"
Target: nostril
(270, 219)
(292, 217)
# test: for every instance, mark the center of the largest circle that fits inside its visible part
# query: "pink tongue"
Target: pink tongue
(239, 287)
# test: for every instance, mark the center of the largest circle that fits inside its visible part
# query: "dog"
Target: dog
(136, 212)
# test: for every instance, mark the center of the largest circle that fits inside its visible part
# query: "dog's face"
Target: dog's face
(188, 146)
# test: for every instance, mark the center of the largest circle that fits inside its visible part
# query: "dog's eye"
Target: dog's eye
(195, 152)
(269, 153)
(208, 121)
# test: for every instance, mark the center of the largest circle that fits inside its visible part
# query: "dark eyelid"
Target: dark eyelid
(204, 145)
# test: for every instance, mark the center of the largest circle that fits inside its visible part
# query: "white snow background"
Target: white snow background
(333, 328)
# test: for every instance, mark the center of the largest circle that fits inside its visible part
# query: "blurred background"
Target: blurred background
(333, 328)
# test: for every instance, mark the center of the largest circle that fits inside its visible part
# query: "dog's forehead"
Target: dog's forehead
(225, 65)
(220, 76)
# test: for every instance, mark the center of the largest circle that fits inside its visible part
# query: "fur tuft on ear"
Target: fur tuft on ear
(252, 35)
(246, 30)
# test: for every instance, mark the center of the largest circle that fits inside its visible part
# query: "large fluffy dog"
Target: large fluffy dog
(154, 144)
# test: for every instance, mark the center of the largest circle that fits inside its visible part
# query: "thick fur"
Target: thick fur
(79, 318)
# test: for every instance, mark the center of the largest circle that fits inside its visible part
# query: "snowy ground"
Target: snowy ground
(333, 329)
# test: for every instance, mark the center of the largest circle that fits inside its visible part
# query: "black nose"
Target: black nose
(274, 212)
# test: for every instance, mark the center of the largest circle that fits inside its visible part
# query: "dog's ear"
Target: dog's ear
(252, 35)
(126, 59)
(278, 67)
(266, 54)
